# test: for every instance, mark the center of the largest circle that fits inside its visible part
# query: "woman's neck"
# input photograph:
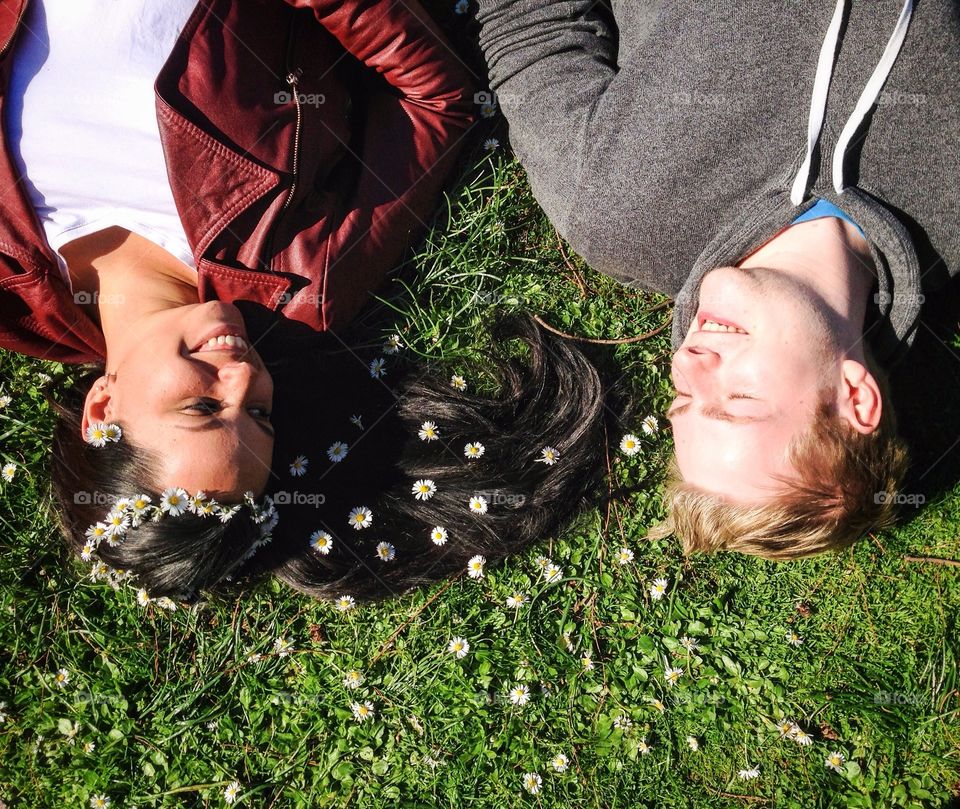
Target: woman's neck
(126, 275)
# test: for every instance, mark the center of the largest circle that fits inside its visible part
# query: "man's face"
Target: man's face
(203, 408)
(746, 390)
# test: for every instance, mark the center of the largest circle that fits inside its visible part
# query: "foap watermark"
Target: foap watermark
(284, 498)
(897, 698)
(899, 499)
(83, 298)
(501, 498)
(282, 97)
(697, 99)
(93, 498)
(890, 98)
(885, 298)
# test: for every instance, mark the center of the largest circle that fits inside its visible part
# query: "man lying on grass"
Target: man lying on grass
(789, 177)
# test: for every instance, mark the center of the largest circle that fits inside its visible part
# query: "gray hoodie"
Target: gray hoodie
(665, 139)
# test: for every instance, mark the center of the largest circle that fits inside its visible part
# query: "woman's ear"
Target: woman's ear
(98, 405)
(860, 402)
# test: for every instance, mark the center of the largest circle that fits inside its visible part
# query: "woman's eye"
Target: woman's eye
(260, 412)
(205, 406)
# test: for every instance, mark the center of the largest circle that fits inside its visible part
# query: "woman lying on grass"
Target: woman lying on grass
(264, 157)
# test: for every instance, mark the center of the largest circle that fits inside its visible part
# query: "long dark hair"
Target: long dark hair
(554, 397)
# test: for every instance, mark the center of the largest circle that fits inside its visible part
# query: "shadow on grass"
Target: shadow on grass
(926, 394)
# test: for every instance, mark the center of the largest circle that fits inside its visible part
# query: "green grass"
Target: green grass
(177, 708)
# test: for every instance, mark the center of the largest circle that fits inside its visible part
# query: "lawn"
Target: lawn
(647, 679)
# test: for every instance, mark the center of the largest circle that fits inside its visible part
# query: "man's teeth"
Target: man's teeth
(230, 340)
(711, 325)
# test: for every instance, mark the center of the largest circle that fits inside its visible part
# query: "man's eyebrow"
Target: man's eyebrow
(718, 414)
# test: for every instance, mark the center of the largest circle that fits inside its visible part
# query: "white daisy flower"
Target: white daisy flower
(298, 466)
(438, 535)
(353, 679)
(475, 566)
(166, 603)
(625, 556)
(552, 573)
(87, 553)
(424, 489)
(282, 646)
(89, 747)
(519, 695)
(658, 589)
(474, 450)
(490, 144)
(548, 456)
(458, 382)
(117, 523)
(143, 597)
(138, 507)
(360, 517)
(96, 532)
(362, 711)
(392, 344)
(428, 431)
(623, 722)
(793, 638)
(5, 400)
(658, 705)
(61, 678)
(462, 6)
(345, 603)
(672, 675)
(643, 747)
(254, 657)
(690, 644)
(378, 368)
(802, 738)
(99, 571)
(231, 792)
(487, 110)
(748, 774)
(337, 451)
(458, 647)
(516, 601)
(586, 662)
(357, 420)
(8, 471)
(629, 444)
(532, 782)
(787, 728)
(96, 434)
(226, 513)
(321, 541)
(650, 425)
(694, 743)
(99, 802)
(834, 761)
(560, 762)
(541, 562)
(478, 504)
(386, 551)
(173, 501)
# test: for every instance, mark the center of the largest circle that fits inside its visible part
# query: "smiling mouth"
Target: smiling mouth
(711, 323)
(223, 342)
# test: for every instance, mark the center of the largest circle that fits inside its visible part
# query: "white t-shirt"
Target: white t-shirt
(81, 118)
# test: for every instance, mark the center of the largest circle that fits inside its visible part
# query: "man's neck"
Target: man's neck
(831, 257)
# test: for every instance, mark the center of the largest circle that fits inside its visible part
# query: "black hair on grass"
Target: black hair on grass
(555, 398)
(174, 556)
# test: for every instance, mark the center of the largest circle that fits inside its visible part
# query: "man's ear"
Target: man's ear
(98, 405)
(860, 402)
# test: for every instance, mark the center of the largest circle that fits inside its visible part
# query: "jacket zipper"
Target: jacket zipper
(293, 82)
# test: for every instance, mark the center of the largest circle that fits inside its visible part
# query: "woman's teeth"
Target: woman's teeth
(710, 325)
(229, 340)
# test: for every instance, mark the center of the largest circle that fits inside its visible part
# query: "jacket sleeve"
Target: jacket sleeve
(413, 132)
(550, 62)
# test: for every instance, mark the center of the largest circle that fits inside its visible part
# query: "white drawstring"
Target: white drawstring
(818, 101)
(870, 93)
(868, 97)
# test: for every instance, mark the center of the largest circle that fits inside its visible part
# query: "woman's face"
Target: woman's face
(202, 406)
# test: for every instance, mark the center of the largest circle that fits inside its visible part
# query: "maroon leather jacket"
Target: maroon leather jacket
(305, 142)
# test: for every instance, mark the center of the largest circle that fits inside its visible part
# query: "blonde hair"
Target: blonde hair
(847, 486)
